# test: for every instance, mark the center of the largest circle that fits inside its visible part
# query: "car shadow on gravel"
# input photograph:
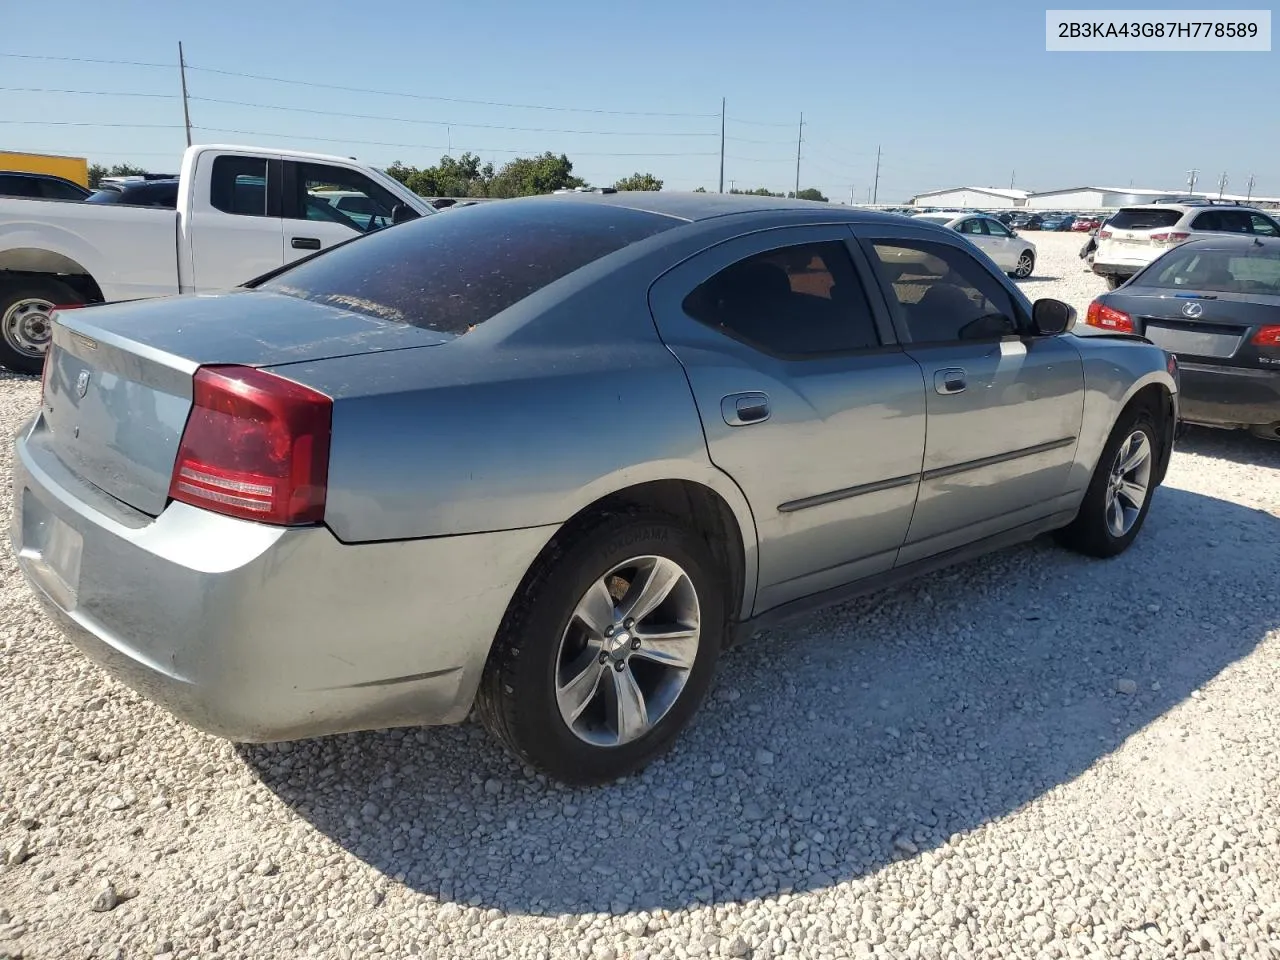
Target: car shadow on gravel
(1239, 446)
(866, 733)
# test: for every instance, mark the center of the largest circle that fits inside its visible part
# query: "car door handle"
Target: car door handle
(305, 243)
(741, 409)
(950, 380)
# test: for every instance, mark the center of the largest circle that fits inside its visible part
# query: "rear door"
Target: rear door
(325, 204)
(806, 400)
(234, 227)
(1004, 410)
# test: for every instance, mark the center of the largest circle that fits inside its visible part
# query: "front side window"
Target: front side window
(57, 190)
(997, 229)
(943, 293)
(797, 301)
(1264, 226)
(339, 195)
(239, 185)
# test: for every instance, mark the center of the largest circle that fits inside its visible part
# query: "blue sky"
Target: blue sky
(955, 93)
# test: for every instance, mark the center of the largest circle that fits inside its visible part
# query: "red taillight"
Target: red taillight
(256, 446)
(1108, 318)
(1104, 234)
(1170, 237)
(1267, 337)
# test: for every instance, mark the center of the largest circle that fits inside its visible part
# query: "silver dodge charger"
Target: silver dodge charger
(547, 458)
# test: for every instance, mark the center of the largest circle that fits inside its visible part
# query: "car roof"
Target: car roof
(705, 206)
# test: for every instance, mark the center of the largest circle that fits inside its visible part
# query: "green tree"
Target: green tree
(526, 176)
(96, 172)
(639, 181)
(758, 192)
(700, 190)
(809, 193)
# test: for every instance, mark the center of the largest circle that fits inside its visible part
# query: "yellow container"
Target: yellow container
(75, 169)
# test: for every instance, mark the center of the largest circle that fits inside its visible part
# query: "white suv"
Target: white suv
(1135, 236)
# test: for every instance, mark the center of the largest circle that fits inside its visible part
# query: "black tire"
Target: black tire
(1089, 533)
(14, 353)
(516, 699)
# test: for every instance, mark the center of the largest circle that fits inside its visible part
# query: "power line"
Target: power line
(117, 63)
(768, 142)
(94, 123)
(424, 96)
(91, 93)
(759, 123)
(427, 146)
(451, 123)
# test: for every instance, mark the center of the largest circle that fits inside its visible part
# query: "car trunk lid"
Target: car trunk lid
(1212, 327)
(118, 388)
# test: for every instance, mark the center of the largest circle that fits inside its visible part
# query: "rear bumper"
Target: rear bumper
(256, 633)
(1228, 396)
(1113, 269)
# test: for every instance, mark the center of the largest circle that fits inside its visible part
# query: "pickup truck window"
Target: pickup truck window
(338, 195)
(239, 185)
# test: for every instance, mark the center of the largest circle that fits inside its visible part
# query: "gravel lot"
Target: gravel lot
(1032, 755)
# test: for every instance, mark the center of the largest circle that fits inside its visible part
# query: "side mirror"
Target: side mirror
(402, 212)
(1052, 317)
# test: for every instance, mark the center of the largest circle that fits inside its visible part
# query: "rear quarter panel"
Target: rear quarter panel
(1114, 371)
(532, 416)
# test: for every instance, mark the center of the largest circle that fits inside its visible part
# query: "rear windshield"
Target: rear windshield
(1144, 219)
(1217, 271)
(453, 271)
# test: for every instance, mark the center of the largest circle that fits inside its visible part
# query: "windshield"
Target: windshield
(451, 273)
(1217, 271)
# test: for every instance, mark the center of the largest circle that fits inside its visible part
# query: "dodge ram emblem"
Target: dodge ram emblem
(82, 383)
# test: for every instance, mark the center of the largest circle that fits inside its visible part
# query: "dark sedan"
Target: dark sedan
(1215, 303)
(1027, 221)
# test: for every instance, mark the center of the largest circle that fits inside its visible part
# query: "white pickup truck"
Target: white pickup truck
(242, 211)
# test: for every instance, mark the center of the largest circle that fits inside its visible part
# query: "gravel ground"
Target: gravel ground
(1032, 755)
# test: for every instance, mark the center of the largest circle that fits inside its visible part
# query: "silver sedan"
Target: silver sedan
(549, 457)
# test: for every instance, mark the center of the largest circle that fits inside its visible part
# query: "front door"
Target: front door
(1004, 408)
(1001, 245)
(326, 204)
(806, 401)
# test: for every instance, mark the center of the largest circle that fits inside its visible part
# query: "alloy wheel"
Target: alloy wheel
(627, 652)
(1129, 483)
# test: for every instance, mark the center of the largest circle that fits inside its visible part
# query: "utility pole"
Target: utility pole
(1222, 184)
(1191, 180)
(875, 192)
(851, 194)
(1011, 178)
(731, 183)
(1250, 195)
(722, 144)
(799, 140)
(182, 72)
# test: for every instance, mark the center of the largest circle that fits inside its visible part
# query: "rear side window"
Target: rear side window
(239, 185)
(1141, 219)
(796, 301)
(451, 273)
(18, 187)
(1217, 271)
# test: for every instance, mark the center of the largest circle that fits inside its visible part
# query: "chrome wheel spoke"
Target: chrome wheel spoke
(1132, 493)
(1137, 450)
(650, 588)
(1115, 517)
(596, 609)
(575, 695)
(672, 647)
(631, 715)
